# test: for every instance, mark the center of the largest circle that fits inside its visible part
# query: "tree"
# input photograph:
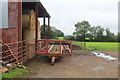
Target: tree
(93, 33)
(69, 37)
(54, 32)
(110, 36)
(59, 33)
(81, 30)
(89, 37)
(118, 37)
(99, 34)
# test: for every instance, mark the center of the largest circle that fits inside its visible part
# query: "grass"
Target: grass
(60, 38)
(17, 72)
(110, 46)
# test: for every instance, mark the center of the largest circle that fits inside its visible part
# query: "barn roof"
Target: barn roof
(42, 12)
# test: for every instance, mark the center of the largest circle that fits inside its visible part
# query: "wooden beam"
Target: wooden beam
(36, 29)
(20, 28)
(36, 11)
(48, 28)
(44, 28)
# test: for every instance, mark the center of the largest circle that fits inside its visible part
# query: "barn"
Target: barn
(20, 28)
(20, 33)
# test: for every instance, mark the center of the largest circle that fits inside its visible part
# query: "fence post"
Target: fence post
(71, 49)
(84, 44)
(22, 51)
(28, 50)
(47, 45)
(37, 46)
(60, 48)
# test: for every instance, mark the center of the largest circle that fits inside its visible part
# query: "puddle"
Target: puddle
(118, 62)
(98, 68)
(99, 54)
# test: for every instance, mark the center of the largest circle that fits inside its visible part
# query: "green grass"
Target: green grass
(17, 72)
(60, 38)
(110, 46)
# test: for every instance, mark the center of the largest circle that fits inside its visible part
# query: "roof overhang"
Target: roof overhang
(42, 12)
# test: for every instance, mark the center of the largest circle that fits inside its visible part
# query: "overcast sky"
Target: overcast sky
(66, 13)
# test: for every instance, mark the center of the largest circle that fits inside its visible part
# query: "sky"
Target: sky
(66, 13)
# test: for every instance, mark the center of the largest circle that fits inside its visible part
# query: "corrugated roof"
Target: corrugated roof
(31, 5)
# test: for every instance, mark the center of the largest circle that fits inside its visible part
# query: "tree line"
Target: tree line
(54, 32)
(85, 32)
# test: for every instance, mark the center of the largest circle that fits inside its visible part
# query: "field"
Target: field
(60, 38)
(110, 46)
